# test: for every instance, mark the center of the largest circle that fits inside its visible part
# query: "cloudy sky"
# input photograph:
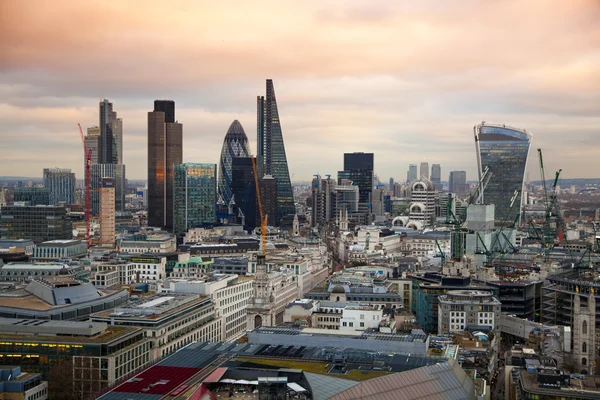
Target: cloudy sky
(406, 80)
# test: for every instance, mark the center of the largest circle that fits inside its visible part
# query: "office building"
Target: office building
(38, 223)
(269, 199)
(424, 170)
(61, 183)
(457, 183)
(467, 310)
(98, 172)
(33, 196)
(165, 149)
(18, 385)
(422, 205)
(358, 168)
(436, 176)
(235, 145)
(148, 242)
(95, 354)
(412, 173)
(107, 212)
(110, 147)
(271, 155)
(323, 201)
(92, 141)
(243, 190)
(55, 250)
(24, 272)
(504, 150)
(194, 196)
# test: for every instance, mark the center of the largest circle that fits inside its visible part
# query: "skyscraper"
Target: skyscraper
(271, 152)
(235, 145)
(92, 141)
(358, 168)
(504, 150)
(457, 183)
(243, 189)
(194, 196)
(98, 172)
(107, 212)
(436, 176)
(165, 149)
(105, 147)
(424, 170)
(61, 183)
(412, 173)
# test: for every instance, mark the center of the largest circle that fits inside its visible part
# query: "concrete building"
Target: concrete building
(18, 385)
(148, 242)
(26, 272)
(194, 267)
(436, 176)
(106, 279)
(300, 312)
(149, 267)
(55, 250)
(457, 183)
(360, 317)
(61, 184)
(417, 343)
(126, 272)
(412, 173)
(20, 245)
(230, 265)
(107, 213)
(99, 355)
(100, 172)
(170, 322)
(422, 205)
(470, 310)
(426, 243)
(58, 298)
(38, 223)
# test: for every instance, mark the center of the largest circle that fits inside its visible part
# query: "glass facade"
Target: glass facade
(272, 159)
(61, 184)
(243, 188)
(358, 168)
(165, 149)
(101, 171)
(195, 196)
(235, 145)
(504, 150)
(35, 196)
(38, 223)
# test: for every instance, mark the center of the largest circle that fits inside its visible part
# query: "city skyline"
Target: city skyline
(336, 93)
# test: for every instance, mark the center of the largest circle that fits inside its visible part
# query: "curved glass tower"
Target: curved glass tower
(504, 150)
(235, 145)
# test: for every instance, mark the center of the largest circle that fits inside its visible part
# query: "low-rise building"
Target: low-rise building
(230, 265)
(38, 223)
(106, 279)
(360, 317)
(147, 242)
(55, 250)
(194, 267)
(470, 310)
(24, 245)
(18, 385)
(300, 312)
(170, 321)
(98, 355)
(25, 272)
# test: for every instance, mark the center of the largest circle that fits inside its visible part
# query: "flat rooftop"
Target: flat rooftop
(37, 266)
(153, 307)
(276, 330)
(22, 299)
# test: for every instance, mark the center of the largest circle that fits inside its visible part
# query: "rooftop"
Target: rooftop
(152, 307)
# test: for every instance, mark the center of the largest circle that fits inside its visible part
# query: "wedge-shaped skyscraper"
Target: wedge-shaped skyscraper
(235, 145)
(271, 152)
(504, 150)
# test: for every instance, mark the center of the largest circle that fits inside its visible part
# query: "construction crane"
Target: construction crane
(547, 234)
(87, 154)
(263, 216)
(560, 229)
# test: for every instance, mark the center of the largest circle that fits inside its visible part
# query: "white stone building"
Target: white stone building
(461, 310)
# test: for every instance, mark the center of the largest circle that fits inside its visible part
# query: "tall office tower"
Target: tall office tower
(235, 145)
(269, 198)
(358, 168)
(412, 173)
(323, 201)
(105, 147)
(99, 172)
(165, 148)
(424, 170)
(378, 202)
(457, 183)
(34, 196)
(107, 212)
(117, 140)
(271, 152)
(61, 183)
(243, 189)
(194, 196)
(391, 188)
(436, 176)
(504, 150)
(92, 141)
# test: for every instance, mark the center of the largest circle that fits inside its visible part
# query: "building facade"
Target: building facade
(98, 172)
(504, 150)
(422, 206)
(243, 192)
(165, 149)
(194, 196)
(457, 183)
(61, 184)
(235, 145)
(358, 168)
(34, 196)
(38, 223)
(461, 310)
(271, 155)
(107, 212)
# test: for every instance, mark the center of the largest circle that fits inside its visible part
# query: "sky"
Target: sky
(405, 80)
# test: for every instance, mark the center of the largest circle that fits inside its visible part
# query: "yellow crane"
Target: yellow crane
(263, 217)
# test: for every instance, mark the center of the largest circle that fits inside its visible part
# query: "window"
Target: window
(584, 327)
(362, 324)
(584, 347)
(351, 324)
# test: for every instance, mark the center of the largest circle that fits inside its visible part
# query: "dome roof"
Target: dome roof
(236, 132)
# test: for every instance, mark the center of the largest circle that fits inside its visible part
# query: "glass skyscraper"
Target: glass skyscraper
(358, 168)
(235, 145)
(194, 196)
(271, 152)
(61, 183)
(504, 150)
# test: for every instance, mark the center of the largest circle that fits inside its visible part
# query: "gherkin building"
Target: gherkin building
(235, 145)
